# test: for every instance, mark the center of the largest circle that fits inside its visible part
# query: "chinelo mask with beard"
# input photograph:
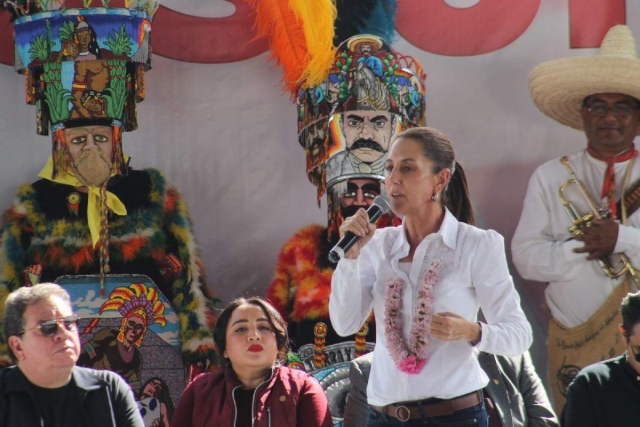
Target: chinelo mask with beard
(348, 211)
(92, 168)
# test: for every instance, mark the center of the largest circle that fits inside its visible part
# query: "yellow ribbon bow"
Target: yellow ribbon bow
(93, 202)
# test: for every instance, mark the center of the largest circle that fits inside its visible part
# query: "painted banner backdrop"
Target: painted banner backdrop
(216, 121)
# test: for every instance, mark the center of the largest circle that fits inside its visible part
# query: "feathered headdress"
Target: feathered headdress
(368, 80)
(361, 83)
(303, 35)
(138, 300)
(300, 34)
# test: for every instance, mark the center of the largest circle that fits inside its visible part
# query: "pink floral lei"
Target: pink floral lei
(410, 360)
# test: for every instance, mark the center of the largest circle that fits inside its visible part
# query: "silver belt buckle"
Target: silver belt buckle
(398, 416)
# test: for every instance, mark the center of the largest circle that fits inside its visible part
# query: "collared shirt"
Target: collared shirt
(542, 246)
(360, 166)
(474, 275)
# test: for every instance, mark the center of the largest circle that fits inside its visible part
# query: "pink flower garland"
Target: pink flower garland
(410, 360)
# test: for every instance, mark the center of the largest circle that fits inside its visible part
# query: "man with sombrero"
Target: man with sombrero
(367, 45)
(589, 269)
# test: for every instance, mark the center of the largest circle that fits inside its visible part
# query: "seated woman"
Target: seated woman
(425, 281)
(253, 390)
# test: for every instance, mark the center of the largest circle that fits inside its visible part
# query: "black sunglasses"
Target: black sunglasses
(49, 328)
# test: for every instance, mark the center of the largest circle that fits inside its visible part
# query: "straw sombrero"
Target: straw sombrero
(353, 44)
(558, 87)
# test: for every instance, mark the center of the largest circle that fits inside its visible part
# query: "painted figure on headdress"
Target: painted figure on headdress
(366, 48)
(118, 349)
(346, 138)
(155, 403)
(91, 218)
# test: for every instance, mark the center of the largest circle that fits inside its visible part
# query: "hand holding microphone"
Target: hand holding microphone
(356, 231)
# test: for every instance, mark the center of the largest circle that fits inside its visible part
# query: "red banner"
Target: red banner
(591, 19)
(436, 27)
(431, 25)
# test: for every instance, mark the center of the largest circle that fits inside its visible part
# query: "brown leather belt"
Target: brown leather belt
(411, 410)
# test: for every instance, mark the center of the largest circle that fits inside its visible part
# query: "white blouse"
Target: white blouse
(474, 274)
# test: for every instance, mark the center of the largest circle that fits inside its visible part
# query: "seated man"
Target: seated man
(513, 380)
(608, 393)
(45, 388)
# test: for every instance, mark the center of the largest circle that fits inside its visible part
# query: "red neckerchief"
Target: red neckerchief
(609, 184)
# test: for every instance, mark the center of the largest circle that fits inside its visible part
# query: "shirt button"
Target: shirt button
(496, 382)
(283, 398)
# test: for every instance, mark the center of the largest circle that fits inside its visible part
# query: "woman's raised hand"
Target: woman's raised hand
(359, 225)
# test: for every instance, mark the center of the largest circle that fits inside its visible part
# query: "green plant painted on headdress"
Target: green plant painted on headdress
(120, 42)
(116, 94)
(87, 3)
(56, 97)
(343, 64)
(146, 6)
(390, 67)
(66, 31)
(40, 47)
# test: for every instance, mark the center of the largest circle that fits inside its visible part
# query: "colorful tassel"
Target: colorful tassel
(139, 83)
(30, 86)
(319, 356)
(361, 340)
(104, 238)
(59, 154)
(117, 157)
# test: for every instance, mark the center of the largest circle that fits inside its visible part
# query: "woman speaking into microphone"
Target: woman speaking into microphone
(425, 281)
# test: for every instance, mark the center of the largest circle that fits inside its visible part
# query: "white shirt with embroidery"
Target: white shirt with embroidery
(542, 247)
(474, 275)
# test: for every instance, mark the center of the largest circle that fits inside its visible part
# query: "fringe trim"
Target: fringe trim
(60, 152)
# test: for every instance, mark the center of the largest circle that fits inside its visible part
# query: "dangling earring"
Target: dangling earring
(435, 197)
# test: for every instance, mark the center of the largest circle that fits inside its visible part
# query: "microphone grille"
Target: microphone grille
(382, 203)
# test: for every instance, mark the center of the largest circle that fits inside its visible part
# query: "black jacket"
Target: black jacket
(103, 400)
(605, 394)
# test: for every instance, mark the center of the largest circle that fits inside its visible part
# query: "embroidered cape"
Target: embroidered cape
(47, 227)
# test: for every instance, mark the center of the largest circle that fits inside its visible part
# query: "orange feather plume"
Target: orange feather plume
(318, 18)
(283, 28)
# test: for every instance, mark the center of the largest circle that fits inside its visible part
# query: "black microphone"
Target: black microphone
(379, 207)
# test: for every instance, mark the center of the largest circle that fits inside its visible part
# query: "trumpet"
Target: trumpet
(580, 221)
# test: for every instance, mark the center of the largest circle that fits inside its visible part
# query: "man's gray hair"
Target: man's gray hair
(18, 301)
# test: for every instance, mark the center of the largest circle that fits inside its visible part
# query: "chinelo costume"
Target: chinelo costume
(351, 101)
(335, 117)
(583, 298)
(119, 240)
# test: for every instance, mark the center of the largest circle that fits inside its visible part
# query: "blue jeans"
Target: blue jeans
(476, 416)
